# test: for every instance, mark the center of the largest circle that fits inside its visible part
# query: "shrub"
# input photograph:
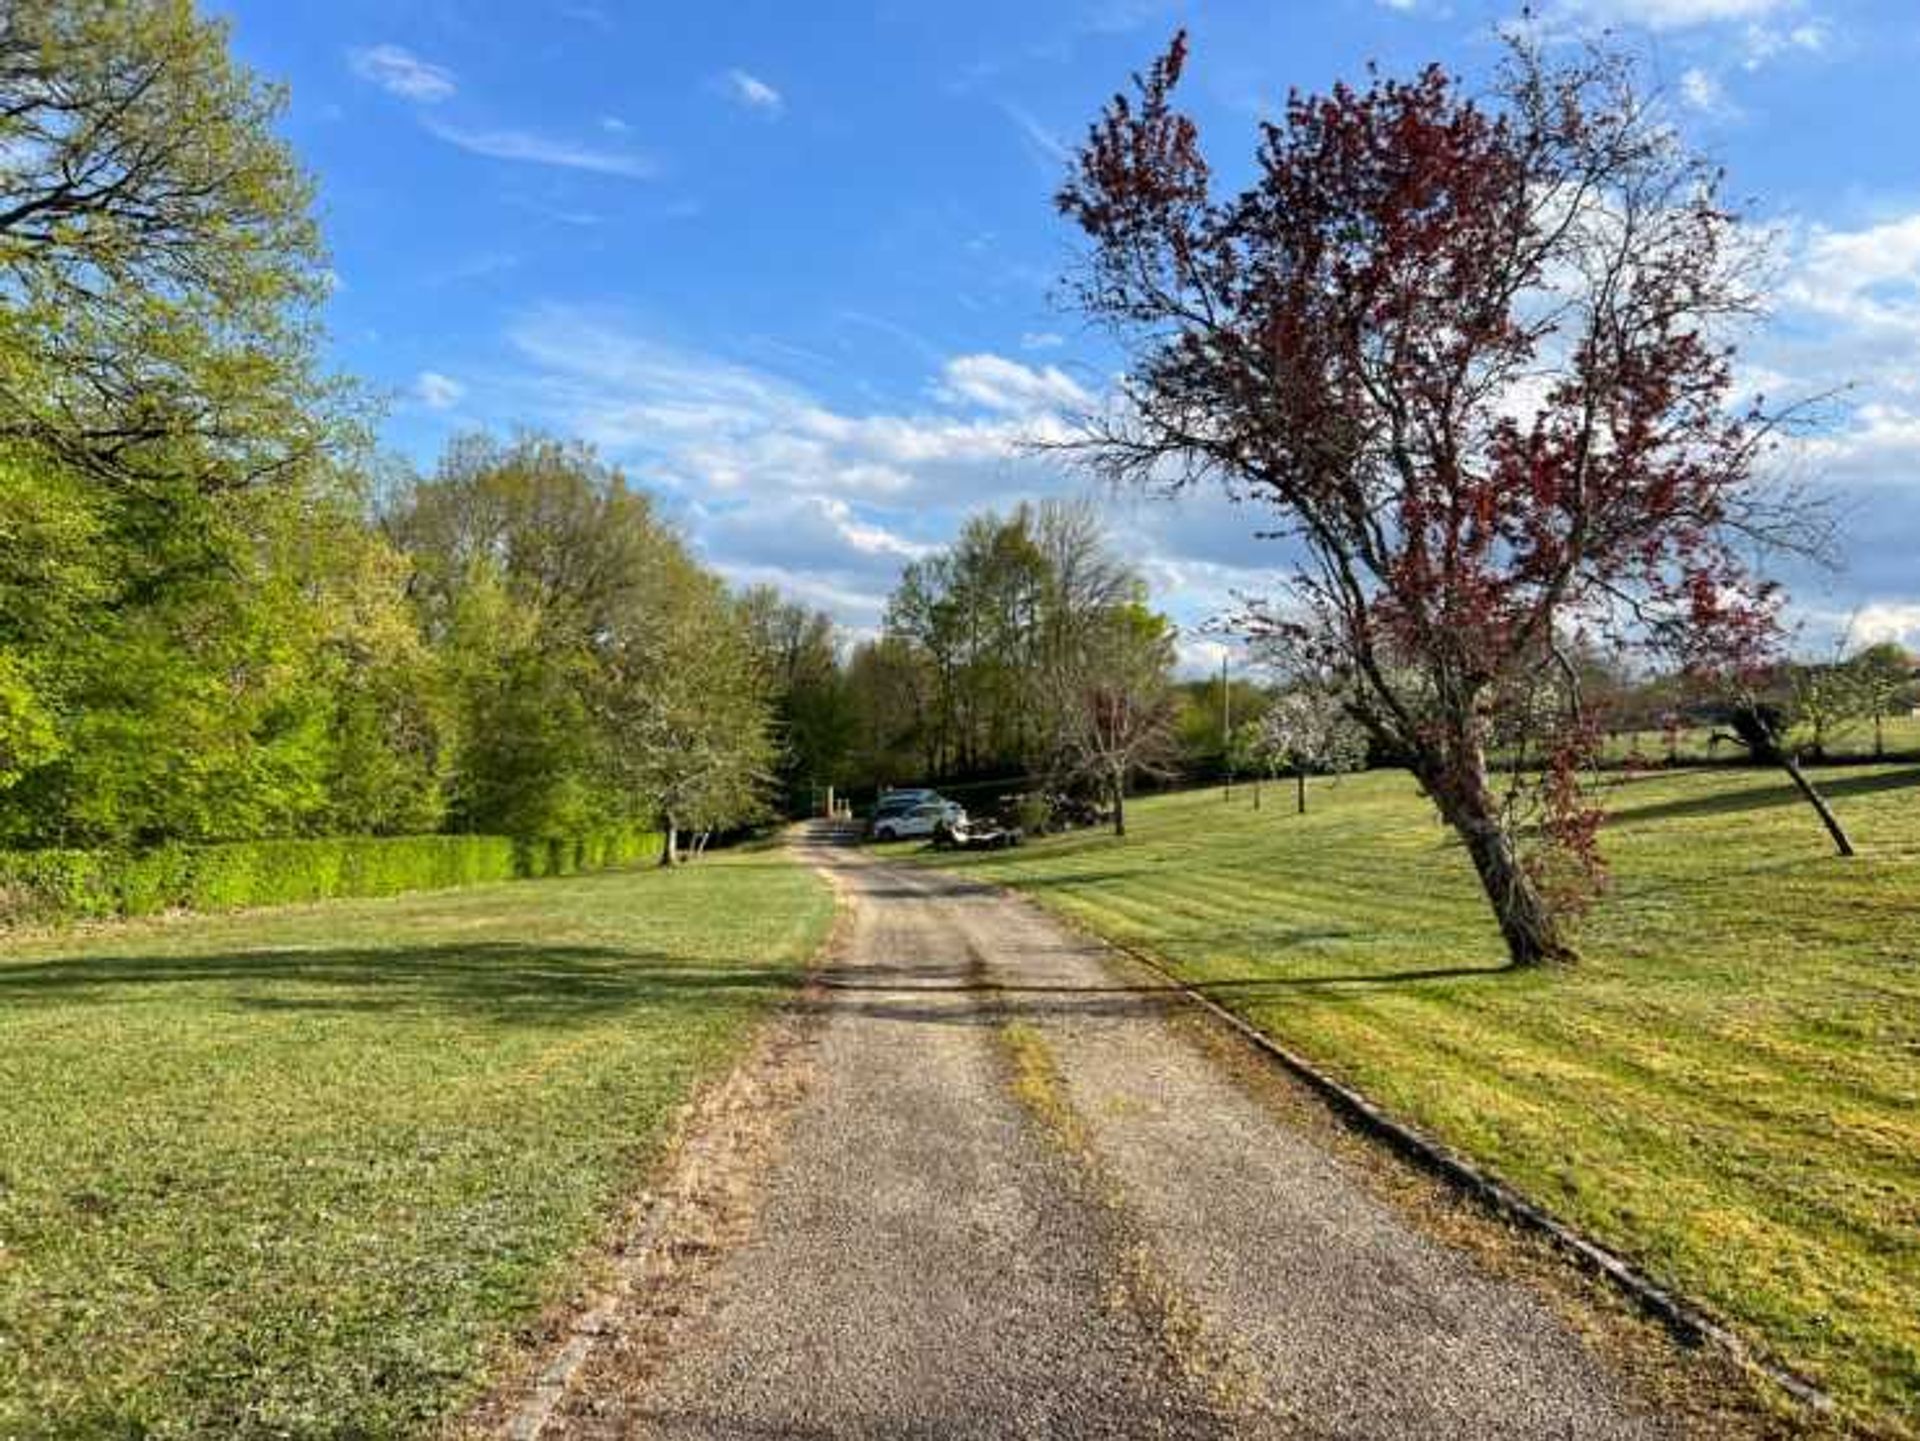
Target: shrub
(62, 885)
(1033, 813)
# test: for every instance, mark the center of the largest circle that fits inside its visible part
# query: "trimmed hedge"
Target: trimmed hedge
(61, 885)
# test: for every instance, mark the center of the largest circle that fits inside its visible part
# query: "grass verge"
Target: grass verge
(299, 1172)
(1727, 1090)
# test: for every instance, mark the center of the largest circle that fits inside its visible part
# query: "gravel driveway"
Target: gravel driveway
(1016, 1198)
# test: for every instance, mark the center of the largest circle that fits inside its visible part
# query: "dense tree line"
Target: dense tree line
(219, 618)
(1024, 648)
(222, 618)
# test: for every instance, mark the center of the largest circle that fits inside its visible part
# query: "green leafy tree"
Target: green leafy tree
(1828, 701)
(1885, 675)
(159, 264)
(528, 559)
(599, 673)
(980, 632)
(166, 439)
(1114, 696)
(814, 717)
(892, 690)
(686, 708)
(28, 738)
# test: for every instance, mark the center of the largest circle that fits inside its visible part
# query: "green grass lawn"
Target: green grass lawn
(300, 1172)
(1900, 735)
(1727, 1089)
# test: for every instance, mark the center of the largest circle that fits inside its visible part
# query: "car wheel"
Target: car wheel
(883, 833)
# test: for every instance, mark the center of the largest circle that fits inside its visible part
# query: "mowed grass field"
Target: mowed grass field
(1727, 1089)
(1899, 736)
(301, 1172)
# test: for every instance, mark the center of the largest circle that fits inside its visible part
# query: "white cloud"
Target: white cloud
(710, 425)
(534, 149)
(1844, 272)
(1888, 620)
(1009, 387)
(810, 533)
(1042, 340)
(1847, 326)
(754, 93)
(437, 391)
(1703, 92)
(1671, 14)
(774, 480)
(400, 72)
(1764, 43)
(778, 481)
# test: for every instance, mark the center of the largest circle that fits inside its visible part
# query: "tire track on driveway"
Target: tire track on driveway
(1017, 1199)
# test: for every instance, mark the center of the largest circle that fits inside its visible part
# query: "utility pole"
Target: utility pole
(1226, 726)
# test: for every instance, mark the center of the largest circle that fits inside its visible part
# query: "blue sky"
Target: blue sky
(793, 264)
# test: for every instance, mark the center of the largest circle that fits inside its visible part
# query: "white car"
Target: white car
(922, 820)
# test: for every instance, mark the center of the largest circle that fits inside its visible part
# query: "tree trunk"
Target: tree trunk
(1879, 737)
(1758, 729)
(1119, 807)
(1819, 803)
(1300, 790)
(670, 845)
(1527, 923)
(1256, 790)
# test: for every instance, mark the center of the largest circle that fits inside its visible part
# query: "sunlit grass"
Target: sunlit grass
(1899, 738)
(295, 1172)
(1727, 1088)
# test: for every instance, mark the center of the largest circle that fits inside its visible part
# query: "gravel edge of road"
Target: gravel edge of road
(1788, 1398)
(705, 1179)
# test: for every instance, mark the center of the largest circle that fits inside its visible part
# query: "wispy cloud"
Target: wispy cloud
(713, 427)
(1671, 14)
(1046, 147)
(437, 391)
(1704, 92)
(774, 481)
(1117, 17)
(753, 92)
(399, 71)
(532, 148)
(1765, 43)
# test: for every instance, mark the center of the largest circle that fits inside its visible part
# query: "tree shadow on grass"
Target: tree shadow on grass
(506, 981)
(1763, 796)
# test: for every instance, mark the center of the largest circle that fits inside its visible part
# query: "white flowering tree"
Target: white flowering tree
(1308, 730)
